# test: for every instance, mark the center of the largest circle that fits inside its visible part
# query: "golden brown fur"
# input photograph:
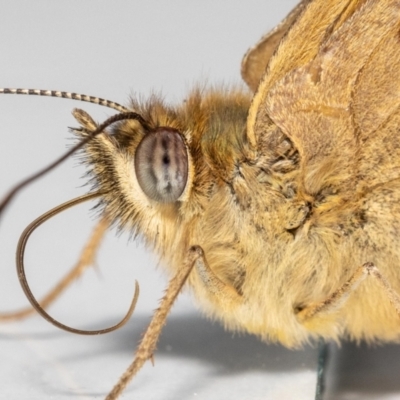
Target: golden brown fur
(287, 196)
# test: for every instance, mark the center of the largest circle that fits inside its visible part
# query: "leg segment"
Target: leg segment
(338, 298)
(148, 344)
(222, 292)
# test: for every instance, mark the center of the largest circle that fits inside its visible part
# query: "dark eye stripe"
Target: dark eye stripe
(161, 165)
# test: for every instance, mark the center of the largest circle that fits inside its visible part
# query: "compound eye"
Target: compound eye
(161, 165)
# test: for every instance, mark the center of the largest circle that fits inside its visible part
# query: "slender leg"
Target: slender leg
(337, 299)
(225, 294)
(147, 346)
(86, 259)
(393, 296)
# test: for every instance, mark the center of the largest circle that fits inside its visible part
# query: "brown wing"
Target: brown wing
(335, 93)
(376, 112)
(300, 45)
(256, 59)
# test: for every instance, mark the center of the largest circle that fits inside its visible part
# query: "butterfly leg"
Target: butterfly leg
(86, 259)
(338, 298)
(222, 292)
(149, 341)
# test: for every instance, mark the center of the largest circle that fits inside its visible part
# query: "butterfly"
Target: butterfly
(279, 210)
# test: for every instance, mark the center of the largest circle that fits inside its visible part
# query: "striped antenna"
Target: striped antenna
(67, 95)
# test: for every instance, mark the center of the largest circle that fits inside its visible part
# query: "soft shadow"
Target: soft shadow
(352, 372)
(363, 370)
(197, 338)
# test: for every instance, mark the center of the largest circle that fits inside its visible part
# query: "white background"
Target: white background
(113, 50)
